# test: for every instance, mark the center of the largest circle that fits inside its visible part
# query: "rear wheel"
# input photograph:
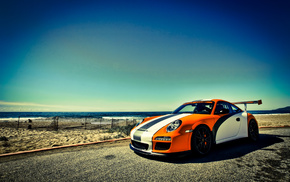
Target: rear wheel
(201, 141)
(253, 131)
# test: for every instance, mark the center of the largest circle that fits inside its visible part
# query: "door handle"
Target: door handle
(238, 119)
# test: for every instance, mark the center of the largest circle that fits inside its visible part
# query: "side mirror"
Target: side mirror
(224, 111)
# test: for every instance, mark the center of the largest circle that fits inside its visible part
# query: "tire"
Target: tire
(253, 131)
(201, 140)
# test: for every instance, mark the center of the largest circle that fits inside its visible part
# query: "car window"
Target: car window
(222, 107)
(187, 109)
(203, 108)
(235, 109)
(195, 108)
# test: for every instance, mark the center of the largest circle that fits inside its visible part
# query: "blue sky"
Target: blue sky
(142, 55)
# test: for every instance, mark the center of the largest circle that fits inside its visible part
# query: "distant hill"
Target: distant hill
(282, 110)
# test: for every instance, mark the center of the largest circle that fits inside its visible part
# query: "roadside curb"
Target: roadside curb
(64, 146)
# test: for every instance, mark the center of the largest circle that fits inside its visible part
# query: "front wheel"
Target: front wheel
(253, 131)
(202, 140)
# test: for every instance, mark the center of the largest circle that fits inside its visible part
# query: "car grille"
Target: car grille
(162, 146)
(140, 145)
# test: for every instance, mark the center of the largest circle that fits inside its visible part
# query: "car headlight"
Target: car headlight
(173, 125)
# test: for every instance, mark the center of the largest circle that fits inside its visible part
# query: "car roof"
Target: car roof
(206, 100)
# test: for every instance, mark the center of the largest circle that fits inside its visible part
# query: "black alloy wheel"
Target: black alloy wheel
(202, 140)
(253, 131)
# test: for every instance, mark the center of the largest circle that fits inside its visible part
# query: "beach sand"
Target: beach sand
(44, 135)
(265, 120)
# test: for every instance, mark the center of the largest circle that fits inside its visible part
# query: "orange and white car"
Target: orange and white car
(194, 126)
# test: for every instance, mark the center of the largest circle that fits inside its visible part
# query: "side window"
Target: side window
(235, 109)
(222, 108)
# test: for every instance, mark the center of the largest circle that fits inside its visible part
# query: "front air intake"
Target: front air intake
(162, 146)
(140, 145)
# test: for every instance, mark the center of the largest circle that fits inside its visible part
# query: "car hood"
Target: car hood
(159, 122)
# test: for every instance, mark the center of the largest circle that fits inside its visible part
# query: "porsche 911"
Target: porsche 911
(194, 127)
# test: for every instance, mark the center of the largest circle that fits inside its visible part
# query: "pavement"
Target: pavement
(240, 160)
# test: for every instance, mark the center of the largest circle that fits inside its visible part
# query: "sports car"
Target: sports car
(194, 127)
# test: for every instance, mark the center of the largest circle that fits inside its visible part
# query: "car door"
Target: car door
(229, 121)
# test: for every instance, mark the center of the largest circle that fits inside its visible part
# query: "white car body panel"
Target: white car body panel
(232, 129)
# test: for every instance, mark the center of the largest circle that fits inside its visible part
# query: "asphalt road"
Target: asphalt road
(267, 160)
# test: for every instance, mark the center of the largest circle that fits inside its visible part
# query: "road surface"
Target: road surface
(267, 160)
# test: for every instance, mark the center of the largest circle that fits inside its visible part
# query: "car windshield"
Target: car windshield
(195, 108)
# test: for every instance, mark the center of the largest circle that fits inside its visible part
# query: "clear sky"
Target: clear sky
(142, 55)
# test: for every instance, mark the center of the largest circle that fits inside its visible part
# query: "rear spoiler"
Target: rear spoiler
(259, 102)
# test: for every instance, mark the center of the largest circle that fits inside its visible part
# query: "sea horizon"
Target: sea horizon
(106, 114)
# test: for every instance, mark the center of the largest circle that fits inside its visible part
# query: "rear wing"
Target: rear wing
(259, 102)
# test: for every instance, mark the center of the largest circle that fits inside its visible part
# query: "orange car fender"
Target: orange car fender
(196, 124)
(251, 117)
(179, 139)
(208, 122)
(193, 127)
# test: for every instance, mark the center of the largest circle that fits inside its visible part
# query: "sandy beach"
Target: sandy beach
(44, 134)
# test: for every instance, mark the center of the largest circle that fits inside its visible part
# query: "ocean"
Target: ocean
(75, 115)
(105, 115)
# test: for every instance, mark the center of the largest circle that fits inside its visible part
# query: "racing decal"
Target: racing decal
(142, 129)
(219, 122)
(149, 124)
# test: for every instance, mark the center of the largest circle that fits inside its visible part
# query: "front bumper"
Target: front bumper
(150, 153)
